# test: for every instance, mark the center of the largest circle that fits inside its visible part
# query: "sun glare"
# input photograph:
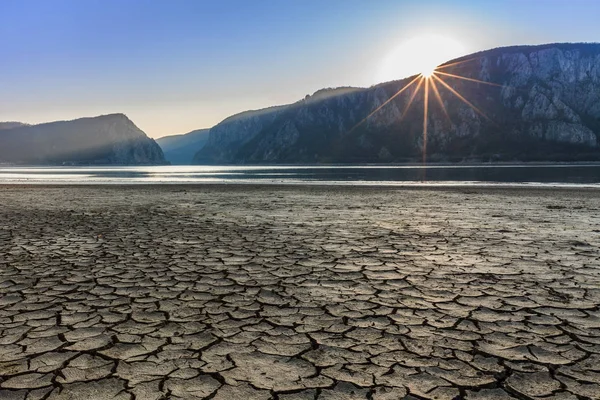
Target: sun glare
(422, 57)
(419, 55)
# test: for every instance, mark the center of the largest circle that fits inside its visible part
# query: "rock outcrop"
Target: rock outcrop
(522, 103)
(107, 139)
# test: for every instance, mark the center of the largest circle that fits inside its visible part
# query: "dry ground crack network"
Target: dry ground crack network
(298, 293)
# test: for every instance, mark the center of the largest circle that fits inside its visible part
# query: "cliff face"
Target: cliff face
(533, 103)
(108, 139)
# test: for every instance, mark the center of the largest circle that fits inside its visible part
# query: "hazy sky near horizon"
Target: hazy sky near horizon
(177, 65)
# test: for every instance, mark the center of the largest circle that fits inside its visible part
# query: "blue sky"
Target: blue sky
(177, 65)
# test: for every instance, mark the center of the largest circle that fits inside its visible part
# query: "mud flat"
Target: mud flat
(262, 292)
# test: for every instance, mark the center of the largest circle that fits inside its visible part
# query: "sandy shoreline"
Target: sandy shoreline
(299, 292)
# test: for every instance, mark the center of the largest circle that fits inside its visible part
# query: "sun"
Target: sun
(427, 72)
(419, 55)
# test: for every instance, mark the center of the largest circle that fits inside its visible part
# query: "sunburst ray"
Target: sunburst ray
(439, 99)
(412, 97)
(425, 118)
(467, 102)
(467, 79)
(386, 102)
(456, 63)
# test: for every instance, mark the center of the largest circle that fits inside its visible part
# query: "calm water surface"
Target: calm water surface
(548, 174)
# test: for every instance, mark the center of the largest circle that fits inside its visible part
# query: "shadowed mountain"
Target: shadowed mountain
(107, 139)
(180, 149)
(514, 103)
(226, 138)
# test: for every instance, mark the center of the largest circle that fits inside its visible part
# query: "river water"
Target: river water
(485, 174)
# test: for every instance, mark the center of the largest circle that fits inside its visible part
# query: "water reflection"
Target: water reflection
(588, 174)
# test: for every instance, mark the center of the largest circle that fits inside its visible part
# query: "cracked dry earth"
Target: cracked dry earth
(248, 292)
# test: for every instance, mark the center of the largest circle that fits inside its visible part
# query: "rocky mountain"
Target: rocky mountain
(180, 149)
(514, 103)
(107, 139)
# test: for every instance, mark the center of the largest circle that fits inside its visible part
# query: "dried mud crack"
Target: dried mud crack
(290, 293)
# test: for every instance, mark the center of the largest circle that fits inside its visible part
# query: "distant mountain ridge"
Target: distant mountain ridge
(180, 149)
(107, 139)
(11, 125)
(536, 103)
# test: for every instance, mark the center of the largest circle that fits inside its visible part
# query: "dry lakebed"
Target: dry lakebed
(244, 292)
